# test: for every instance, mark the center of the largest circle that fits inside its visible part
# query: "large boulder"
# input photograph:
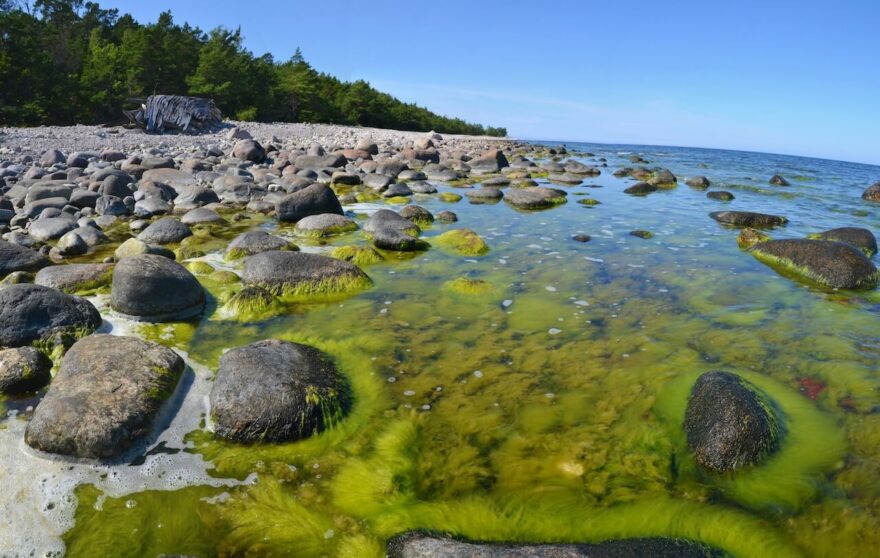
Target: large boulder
(295, 274)
(249, 150)
(253, 242)
(276, 391)
(748, 219)
(833, 264)
(31, 313)
(105, 397)
(18, 258)
(50, 228)
(325, 224)
(154, 288)
(730, 423)
(426, 545)
(166, 230)
(385, 219)
(74, 278)
(535, 197)
(311, 200)
(23, 369)
(872, 193)
(640, 189)
(863, 239)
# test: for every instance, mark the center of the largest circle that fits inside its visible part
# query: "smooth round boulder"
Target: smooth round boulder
(14, 257)
(832, 264)
(417, 214)
(748, 219)
(253, 242)
(311, 200)
(535, 197)
(154, 288)
(325, 224)
(105, 397)
(385, 219)
(276, 391)
(720, 195)
(74, 278)
(729, 423)
(31, 313)
(23, 370)
(51, 227)
(201, 215)
(698, 182)
(297, 274)
(640, 189)
(166, 230)
(863, 239)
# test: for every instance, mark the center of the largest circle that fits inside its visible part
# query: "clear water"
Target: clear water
(546, 409)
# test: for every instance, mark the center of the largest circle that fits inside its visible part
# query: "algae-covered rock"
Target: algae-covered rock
(463, 241)
(385, 219)
(449, 197)
(31, 313)
(833, 264)
(75, 278)
(105, 396)
(720, 195)
(535, 197)
(748, 237)
(863, 239)
(325, 224)
(155, 289)
(358, 255)
(23, 369)
(468, 286)
(254, 242)
(417, 214)
(698, 182)
(298, 274)
(642, 234)
(252, 304)
(425, 545)
(589, 202)
(276, 391)
(640, 189)
(748, 219)
(729, 423)
(200, 267)
(395, 240)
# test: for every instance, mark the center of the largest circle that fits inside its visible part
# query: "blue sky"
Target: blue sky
(776, 76)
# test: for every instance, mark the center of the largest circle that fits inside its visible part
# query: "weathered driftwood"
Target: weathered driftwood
(176, 113)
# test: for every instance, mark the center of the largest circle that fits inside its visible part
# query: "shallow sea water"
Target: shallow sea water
(547, 409)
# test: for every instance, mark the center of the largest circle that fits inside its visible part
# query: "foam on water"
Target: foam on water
(39, 488)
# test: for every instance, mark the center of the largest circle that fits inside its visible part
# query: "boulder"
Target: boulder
(105, 397)
(748, 219)
(155, 288)
(698, 182)
(730, 423)
(863, 239)
(395, 240)
(296, 274)
(720, 195)
(31, 313)
(833, 264)
(19, 258)
(253, 242)
(417, 214)
(640, 189)
(249, 150)
(166, 230)
(311, 200)
(385, 219)
(777, 180)
(325, 224)
(535, 197)
(51, 227)
(71, 244)
(73, 278)
(201, 215)
(872, 193)
(276, 391)
(23, 369)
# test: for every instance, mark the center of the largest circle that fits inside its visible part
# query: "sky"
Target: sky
(779, 76)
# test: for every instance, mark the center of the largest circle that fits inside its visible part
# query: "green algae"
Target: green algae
(788, 268)
(463, 241)
(449, 197)
(589, 202)
(329, 288)
(224, 277)
(358, 255)
(200, 268)
(468, 286)
(252, 304)
(398, 200)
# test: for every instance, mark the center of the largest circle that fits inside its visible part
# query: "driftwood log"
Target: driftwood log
(175, 113)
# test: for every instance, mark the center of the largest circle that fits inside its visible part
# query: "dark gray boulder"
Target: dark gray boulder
(73, 278)
(417, 214)
(23, 369)
(535, 197)
(720, 195)
(253, 242)
(425, 545)
(154, 288)
(698, 182)
(640, 189)
(833, 264)
(385, 219)
(166, 230)
(730, 423)
(872, 193)
(299, 274)
(311, 200)
(863, 239)
(748, 219)
(105, 397)
(276, 391)
(14, 257)
(777, 180)
(392, 239)
(31, 313)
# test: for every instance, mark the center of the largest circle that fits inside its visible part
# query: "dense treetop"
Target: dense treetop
(69, 61)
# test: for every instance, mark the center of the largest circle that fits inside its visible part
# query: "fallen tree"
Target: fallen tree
(175, 113)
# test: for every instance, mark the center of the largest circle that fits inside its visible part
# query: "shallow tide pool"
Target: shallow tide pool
(546, 408)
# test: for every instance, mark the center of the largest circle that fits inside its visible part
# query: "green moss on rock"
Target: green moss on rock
(463, 241)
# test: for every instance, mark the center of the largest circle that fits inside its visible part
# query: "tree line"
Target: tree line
(68, 61)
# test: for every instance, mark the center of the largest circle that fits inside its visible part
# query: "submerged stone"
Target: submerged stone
(729, 424)
(748, 219)
(468, 286)
(252, 304)
(833, 264)
(535, 197)
(298, 274)
(872, 193)
(463, 241)
(276, 391)
(105, 396)
(748, 237)
(358, 255)
(424, 545)
(863, 239)
(640, 189)
(777, 180)
(698, 182)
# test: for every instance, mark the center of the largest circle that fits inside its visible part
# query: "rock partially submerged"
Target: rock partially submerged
(298, 274)
(75, 278)
(424, 545)
(155, 289)
(254, 242)
(23, 369)
(311, 200)
(863, 239)
(105, 396)
(872, 193)
(729, 423)
(748, 219)
(31, 313)
(535, 197)
(276, 391)
(833, 264)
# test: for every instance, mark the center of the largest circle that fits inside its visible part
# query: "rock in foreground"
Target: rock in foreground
(419, 545)
(833, 264)
(105, 397)
(729, 424)
(31, 313)
(276, 391)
